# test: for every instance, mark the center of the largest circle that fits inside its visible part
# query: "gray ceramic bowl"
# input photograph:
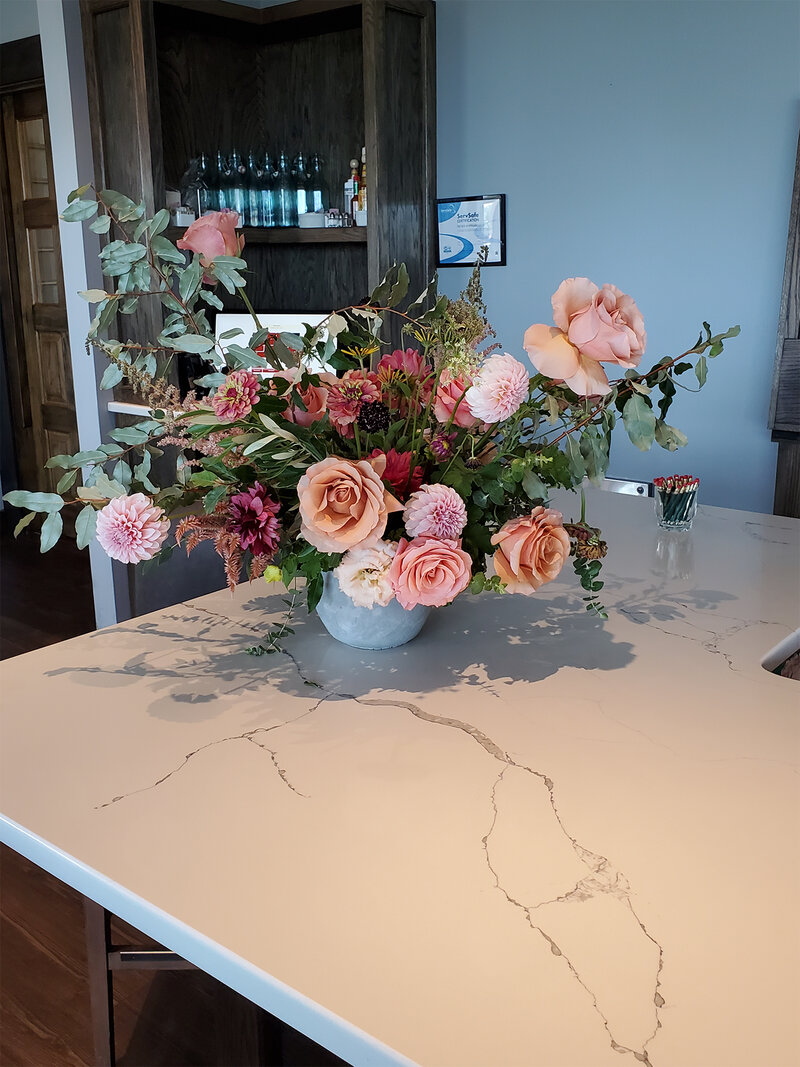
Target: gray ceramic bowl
(375, 628)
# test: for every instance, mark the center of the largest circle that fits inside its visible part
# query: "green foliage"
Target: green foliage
(51, 530)
(640, 421)
(20, 498)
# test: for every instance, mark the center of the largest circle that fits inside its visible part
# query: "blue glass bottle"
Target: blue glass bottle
(285, 195)
(267, 191)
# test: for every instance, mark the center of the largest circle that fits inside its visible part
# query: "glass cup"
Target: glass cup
(676, 510)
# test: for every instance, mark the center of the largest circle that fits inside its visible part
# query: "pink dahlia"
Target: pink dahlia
(131, 528)
(236, 396)
(499, 389)
(346, 397)
(253, 516)
(398, 472)
(435, 511)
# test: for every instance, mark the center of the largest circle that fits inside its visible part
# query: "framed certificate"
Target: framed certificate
(469, 224)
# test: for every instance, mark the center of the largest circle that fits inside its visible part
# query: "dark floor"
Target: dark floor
(162, 1019)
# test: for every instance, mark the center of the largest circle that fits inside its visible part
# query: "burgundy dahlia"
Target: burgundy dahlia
(398, 472)
(253, 516)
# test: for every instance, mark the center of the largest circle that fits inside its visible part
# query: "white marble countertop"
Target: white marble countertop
(523, 839)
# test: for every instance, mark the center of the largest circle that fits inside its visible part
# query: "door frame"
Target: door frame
(21, 69)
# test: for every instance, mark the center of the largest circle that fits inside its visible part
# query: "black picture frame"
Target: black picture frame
(448, 208)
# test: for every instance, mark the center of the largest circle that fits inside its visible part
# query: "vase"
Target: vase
(374, 628)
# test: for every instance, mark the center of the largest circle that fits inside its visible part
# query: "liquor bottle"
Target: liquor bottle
(285, 196)
(300, 184)
(351, 188)
(317, 187)
(238, 187)
(223, 177)
(267, 191)
(362, 184)
(255, 177)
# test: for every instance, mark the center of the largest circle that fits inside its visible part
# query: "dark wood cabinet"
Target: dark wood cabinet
(171, 78)
(168, 79)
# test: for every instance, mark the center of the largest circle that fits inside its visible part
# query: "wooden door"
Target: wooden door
(43, 404)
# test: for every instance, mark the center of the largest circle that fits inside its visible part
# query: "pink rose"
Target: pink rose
(603, 324)
(531, 550)
(315, 398)
(429, 571)
(343, 503)
(213, 234)
(593, 325)
(449, 393)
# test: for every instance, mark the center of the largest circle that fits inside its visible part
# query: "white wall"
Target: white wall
(18, 19)
(650, 144)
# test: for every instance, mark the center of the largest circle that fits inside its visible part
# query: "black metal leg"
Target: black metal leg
(101, 993)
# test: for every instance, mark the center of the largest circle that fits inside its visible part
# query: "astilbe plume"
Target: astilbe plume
(214, 527)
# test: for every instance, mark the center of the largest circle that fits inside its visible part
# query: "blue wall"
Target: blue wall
(650, 144)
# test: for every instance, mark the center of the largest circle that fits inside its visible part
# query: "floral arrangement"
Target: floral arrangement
(416, 472)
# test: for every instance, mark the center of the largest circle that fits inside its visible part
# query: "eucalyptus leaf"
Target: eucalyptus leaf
(533, 486)
(577, 465)
(122, 473)
(93, 296)
(701, 371)
(77, 211)
(669, 437)
(66, 481)
(335, 325)
(21, 498)
(102, 224)
(640, 421)
(159, 223)
(166, 250)
(193, 342)
(51, 530)
(85, 525)
(112, 375)
(189, 280)
(212, 299)
(23, 522)
(106, 486)
(78, 192)
(129, 435)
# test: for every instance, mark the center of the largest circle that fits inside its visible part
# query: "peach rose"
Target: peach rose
(343, 503)
(213, 234)
(429, 571)
(315, 398)
(531, 550)
(592, 326)
(448, 393)
(603, 324)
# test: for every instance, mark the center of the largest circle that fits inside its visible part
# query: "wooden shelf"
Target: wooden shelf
(293, 235)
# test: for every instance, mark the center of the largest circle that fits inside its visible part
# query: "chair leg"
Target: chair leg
(98, 943)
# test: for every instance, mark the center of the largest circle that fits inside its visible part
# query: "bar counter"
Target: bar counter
(526, 838)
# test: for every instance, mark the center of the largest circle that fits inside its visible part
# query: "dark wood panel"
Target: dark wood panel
(20, 64)
(787, 483)
(293, 235)
(306, 277)
(293, 95)
(399, 61)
